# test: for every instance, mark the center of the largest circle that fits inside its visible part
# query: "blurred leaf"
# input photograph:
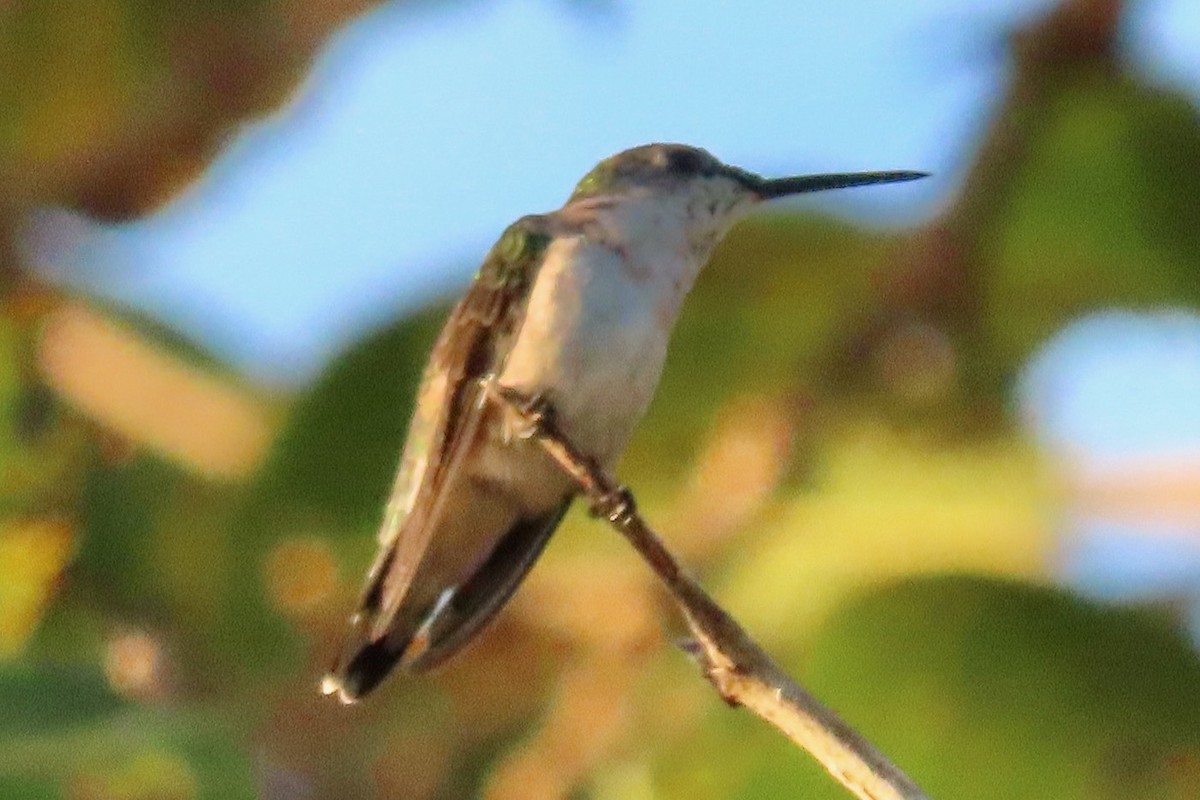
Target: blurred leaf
(58, 99)
(149, 397)
(24, 788)
(148, 775)
(162, 548)
(1165, 145)
(49, 698)
(1103, 215)
(124, 506)
(159, 334)
(991, 689)
(111, 106)
(338, 452)
(133, 754)
(33, 552)
(42, 453)
(883, 504)
(977, 688)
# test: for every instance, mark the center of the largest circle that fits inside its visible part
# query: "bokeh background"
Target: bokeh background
(936, 445)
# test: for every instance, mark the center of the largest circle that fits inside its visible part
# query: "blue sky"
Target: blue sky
(427, 127)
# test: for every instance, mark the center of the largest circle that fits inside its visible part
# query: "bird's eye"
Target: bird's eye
(685, 162)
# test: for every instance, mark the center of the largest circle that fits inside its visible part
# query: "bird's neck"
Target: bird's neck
(665, 241)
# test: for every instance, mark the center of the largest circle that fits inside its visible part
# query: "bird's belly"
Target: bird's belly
(593, 343)
(602, 390)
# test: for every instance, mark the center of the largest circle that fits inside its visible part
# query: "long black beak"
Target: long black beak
(769, 188)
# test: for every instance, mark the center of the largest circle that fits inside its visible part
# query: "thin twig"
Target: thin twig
(736, 666)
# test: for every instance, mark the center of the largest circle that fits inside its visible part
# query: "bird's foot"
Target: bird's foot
(537, 416)
(529, 415)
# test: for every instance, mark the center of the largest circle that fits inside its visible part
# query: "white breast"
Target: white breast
(594, 340)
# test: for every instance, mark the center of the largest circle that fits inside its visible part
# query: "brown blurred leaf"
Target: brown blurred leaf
(740, 465)
(299, 574)
(592, 604)
(591, 713)
(144, 393)
(113, 106)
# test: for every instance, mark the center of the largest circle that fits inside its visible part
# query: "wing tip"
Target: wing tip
(332, 684)
(369, 663)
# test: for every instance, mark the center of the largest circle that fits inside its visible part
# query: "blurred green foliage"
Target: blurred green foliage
(1098, 218)
(166, 629)
(342, 435)
(989, 689)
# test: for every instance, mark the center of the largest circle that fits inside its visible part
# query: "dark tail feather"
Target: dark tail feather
(444, 627)
(364, 668)
(477, 600)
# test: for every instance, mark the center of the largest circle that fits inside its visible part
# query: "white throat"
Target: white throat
(600, 314)
(668, 238)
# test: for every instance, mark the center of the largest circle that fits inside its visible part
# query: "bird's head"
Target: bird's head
(691, 184)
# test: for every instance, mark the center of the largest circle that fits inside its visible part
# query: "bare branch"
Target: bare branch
(736, 666)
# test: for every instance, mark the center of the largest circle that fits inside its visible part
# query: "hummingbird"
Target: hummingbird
(573, 308)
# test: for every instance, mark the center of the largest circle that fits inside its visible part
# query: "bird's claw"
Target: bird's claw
(530, 415)
(537, 416)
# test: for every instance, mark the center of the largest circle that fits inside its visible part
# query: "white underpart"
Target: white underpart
(602, 309)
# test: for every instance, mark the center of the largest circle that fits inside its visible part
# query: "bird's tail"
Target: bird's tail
(367, 661)
(418, 635)
(363, 666)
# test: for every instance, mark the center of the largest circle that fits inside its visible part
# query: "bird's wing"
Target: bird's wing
(460, 615)
(448, 414)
